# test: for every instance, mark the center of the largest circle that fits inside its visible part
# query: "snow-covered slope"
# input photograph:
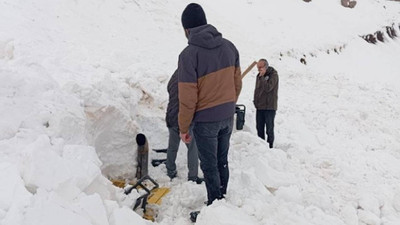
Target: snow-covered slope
(84, 77)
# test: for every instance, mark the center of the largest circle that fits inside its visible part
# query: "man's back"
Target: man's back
(209, 77)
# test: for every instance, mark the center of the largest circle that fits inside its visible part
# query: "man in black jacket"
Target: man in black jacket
(174, 139)
(266, 100)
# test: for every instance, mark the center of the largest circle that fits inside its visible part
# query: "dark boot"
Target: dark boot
(198, 180)
(172, 174)
(193, 216)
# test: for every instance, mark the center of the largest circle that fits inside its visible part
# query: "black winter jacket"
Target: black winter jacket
(173, 103)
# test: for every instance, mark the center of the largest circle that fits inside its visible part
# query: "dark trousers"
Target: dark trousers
(212, 139)
(265, 118)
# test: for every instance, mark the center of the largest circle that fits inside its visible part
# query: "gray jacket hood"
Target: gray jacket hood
(205, 36)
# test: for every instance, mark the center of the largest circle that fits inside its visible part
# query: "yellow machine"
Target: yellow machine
(152, 196)
(152, 192)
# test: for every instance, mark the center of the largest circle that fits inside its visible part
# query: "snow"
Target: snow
(79, 80)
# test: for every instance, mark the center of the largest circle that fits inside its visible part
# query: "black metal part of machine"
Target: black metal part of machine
(240, 116)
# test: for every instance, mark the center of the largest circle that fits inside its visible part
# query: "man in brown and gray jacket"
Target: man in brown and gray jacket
(266, 100)
(209, 86)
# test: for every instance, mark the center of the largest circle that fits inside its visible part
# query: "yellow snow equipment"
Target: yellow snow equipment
(151, 193)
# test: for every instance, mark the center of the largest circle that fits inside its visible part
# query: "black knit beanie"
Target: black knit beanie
(193, 16)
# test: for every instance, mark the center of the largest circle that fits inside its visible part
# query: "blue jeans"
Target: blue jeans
(192, 155)
(212, 140)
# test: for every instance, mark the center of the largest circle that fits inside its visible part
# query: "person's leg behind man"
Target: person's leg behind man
(206, 135)
(222, 155)
(172, 150)
(193, 159)
(270, 118)
(260, 123)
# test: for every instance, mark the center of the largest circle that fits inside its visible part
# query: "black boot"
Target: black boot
(172, 175)
(198, 180)
(193, 216)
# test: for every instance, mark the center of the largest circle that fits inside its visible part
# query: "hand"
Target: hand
(186, 138)
(261, 72)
